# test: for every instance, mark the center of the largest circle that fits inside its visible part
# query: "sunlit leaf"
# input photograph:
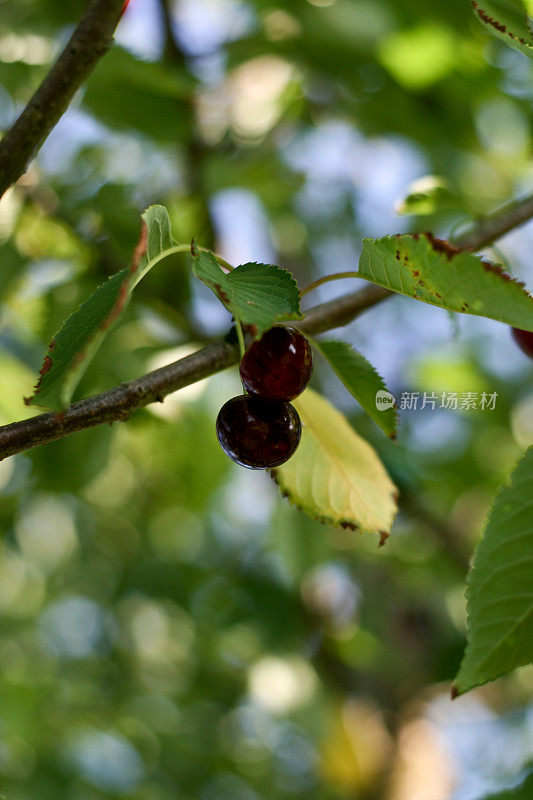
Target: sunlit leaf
(433, 271)
(507, 19)
(257, 294)
(363, 383)
(428, 195)
(74, 345)
(335, 475)
(500, 586)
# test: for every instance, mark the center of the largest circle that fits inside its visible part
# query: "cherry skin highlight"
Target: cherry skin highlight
(258, 433)
(278, 365)
(524, 340)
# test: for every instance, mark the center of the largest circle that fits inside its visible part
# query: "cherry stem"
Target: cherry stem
(336, 276)
(240, 337)
(222, 261)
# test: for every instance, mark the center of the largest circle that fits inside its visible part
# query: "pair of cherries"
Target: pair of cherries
(261, 429)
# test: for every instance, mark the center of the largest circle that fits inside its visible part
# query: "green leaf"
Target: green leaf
(508, 20)
(362, 381)
(74, 345)
(500, 587)
(127, 93)
(433, 271)
(256, 294)
(524, 791)
(335, 475)
(428, 195)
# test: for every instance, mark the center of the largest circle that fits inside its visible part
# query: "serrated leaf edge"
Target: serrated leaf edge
(490, 22)
(226, 300)
(455, 691)
(329, 520)
(345, 524)
(120, 304)
(444, 248)
(394, 435)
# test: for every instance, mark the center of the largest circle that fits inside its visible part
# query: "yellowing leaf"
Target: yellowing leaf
(335, 475)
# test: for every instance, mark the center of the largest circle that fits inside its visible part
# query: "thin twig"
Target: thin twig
(92, 37)
(119, 403)
(496, 225)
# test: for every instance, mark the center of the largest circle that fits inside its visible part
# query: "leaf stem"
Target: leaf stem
(336, 276)
(178, 248)
(186, 248)
(219, 258)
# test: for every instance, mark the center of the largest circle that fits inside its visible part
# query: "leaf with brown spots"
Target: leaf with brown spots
(508, 20)
(74, 345)
(433, 271)
(258, 295)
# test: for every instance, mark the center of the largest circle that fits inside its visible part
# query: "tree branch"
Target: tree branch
(496, 225)
(92, 37)
(119, 403)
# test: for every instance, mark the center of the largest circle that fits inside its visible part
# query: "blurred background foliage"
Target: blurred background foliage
(169, 627)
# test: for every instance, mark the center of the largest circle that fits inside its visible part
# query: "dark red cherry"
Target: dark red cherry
(258, 433)
(278, 365)
(524, 340)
